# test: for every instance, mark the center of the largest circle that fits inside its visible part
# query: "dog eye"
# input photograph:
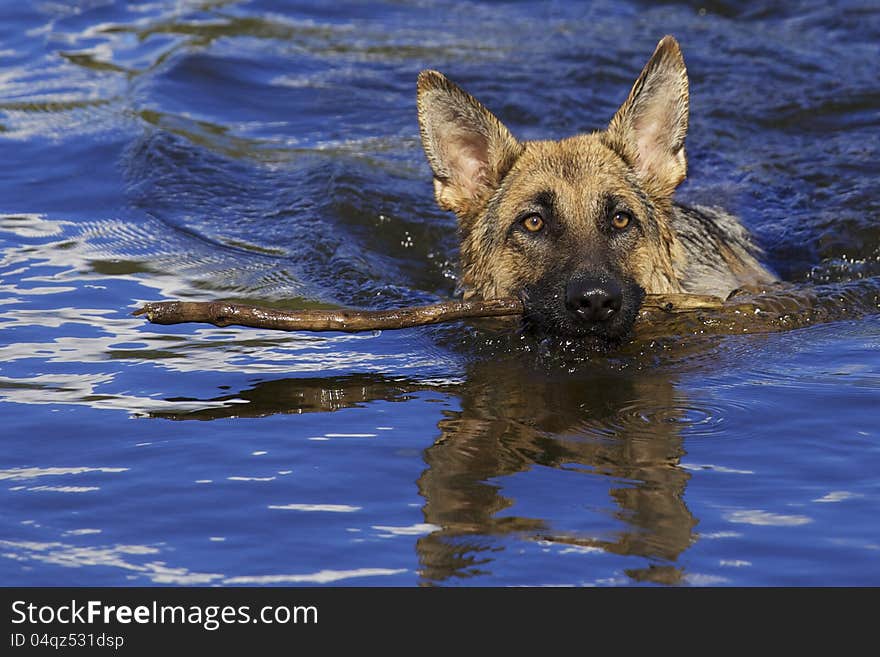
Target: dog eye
(621, 220)
(533, 223)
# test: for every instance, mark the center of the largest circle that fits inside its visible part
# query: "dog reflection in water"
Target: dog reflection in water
(514, 417)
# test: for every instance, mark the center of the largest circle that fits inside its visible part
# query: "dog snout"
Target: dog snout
(593, 300)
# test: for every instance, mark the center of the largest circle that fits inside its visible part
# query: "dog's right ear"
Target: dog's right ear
(469, 150)
(651, 125)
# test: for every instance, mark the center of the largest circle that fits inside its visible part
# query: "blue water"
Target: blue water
(268, 152)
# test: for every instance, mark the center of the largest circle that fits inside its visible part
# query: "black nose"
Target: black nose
(592, 299)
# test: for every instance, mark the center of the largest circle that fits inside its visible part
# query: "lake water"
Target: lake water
(268, 152)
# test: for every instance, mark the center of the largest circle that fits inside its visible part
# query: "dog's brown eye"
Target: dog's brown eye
(621, 220)
(533, 223)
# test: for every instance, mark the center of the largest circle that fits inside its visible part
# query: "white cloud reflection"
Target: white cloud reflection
(765, 518)
(140, 562)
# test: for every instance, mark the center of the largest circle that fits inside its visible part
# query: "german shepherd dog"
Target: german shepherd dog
(580, 229)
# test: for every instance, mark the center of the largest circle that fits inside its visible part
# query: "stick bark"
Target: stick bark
(220, 313)
(777, 308)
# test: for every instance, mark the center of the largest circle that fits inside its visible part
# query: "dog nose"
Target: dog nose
(593, 300)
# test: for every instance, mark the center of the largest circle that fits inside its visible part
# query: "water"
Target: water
(269, 152)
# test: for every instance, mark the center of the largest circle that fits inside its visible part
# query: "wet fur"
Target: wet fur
(491, 181)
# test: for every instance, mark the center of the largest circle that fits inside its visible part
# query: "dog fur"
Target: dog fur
(589, 219)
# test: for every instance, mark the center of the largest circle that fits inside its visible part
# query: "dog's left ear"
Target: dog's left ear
(651, 125)
(469, 150)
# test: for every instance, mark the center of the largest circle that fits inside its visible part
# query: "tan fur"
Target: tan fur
(458, 130)
(491, 180)
(652, 123)
(579, 170)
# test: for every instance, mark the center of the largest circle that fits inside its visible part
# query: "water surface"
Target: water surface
(268, 152)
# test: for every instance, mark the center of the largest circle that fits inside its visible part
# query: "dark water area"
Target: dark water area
(269, 152)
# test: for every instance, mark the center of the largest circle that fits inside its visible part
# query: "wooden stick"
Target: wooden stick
(220, 313)
(780, 307)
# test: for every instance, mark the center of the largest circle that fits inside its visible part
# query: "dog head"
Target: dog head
(579, 228)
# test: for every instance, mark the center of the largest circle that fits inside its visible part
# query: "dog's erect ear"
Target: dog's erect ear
(651, 125)
(468, 149)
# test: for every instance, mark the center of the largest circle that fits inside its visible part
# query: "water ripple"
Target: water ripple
(269, 153)
(647, 418)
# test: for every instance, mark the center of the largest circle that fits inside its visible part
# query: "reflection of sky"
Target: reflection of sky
(93, 234)
(155, 562)
(143, 564)
(56, 259)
